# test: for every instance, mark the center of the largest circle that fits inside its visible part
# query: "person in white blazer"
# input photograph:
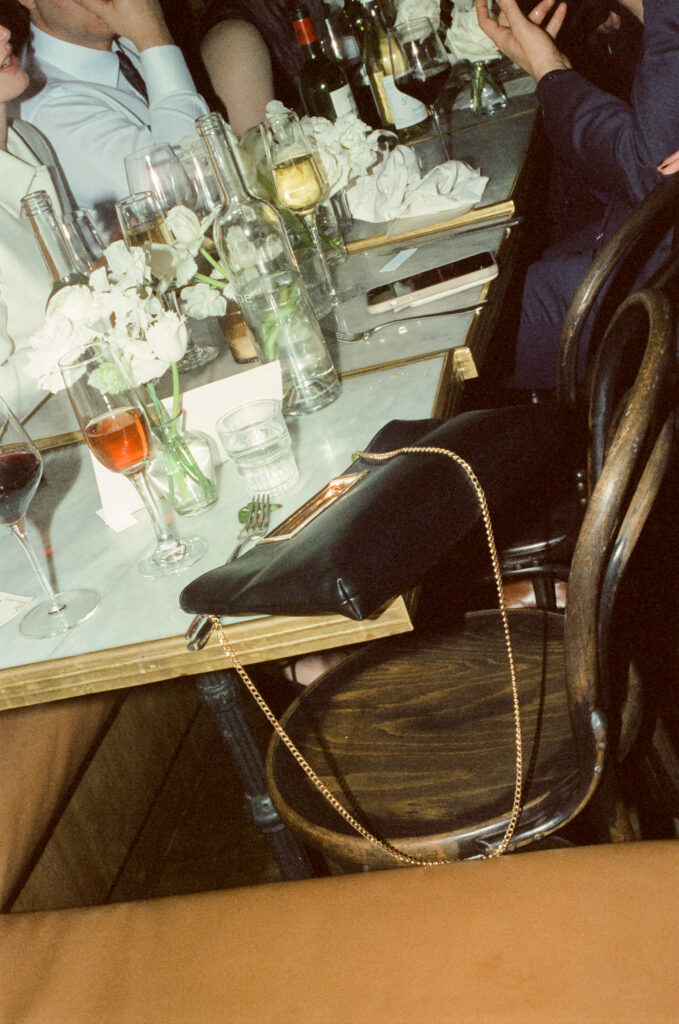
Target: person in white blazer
(26, 165)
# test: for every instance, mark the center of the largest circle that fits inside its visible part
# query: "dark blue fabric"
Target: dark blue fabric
(618, 147)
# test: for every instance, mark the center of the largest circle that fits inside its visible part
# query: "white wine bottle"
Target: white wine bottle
(398, 112)
(323, 85)
(59, 256)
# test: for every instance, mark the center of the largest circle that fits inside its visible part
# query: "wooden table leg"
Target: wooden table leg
(222, 693)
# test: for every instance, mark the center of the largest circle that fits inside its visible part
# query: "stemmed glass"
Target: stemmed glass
(158, 169)
(142, 222)
(298, 178)
(20, 473)
(421, 65)
(117, 433)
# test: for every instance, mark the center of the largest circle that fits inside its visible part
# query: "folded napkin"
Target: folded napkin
(466, 40)
(395, 189)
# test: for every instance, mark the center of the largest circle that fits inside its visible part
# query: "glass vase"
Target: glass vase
(288, 331)
(183, 470)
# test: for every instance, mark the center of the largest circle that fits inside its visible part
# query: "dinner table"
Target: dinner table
(412, 369)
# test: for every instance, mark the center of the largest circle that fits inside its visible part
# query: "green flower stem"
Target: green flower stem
(213, 263)
(174, 450)
(213, 283)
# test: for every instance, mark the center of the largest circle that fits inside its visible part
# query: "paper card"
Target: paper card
(11, 605)
(204, 406)
(395, 262)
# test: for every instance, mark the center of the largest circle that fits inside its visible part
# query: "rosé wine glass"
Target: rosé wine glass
(117, 432)
(20, 473)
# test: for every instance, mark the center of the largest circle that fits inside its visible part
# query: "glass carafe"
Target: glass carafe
(252, 242)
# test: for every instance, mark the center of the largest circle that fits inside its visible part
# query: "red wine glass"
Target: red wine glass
(421, 65)
(20, 473)
(111, 415)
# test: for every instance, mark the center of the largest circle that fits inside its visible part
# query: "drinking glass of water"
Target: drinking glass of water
(256, 438)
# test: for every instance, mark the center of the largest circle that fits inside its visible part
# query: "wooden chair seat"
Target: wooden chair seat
(416, 736)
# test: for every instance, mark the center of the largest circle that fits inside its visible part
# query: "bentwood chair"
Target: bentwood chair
(540, 544)
(415, 736)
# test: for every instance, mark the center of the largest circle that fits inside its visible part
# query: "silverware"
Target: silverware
(255, 527)
(364, 335)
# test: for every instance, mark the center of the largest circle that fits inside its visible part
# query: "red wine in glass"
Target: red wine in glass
(20, 473)
(425, 86)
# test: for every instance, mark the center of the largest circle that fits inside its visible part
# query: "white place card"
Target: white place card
(395, 262)
(11, 605)
(203, 406)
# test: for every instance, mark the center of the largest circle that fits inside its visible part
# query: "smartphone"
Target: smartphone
(433, 284)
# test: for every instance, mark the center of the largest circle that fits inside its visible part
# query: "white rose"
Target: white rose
(184, 225)
(200, 301)
(128, 266)
(142, 363)
(168, 338)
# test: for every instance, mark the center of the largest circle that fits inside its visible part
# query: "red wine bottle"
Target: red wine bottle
(323, 86)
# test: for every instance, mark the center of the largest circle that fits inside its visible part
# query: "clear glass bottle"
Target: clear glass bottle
(323, 85)
(59, 256)
(252, 242)
(398, 112)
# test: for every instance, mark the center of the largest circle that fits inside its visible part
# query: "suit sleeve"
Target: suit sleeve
(618, 145)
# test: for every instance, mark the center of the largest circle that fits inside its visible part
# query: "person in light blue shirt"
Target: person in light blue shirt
(106, 80)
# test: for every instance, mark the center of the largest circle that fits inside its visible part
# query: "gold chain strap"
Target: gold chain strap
(387, 847)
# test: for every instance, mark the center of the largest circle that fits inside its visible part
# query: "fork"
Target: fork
(255, 526)
(369, 331)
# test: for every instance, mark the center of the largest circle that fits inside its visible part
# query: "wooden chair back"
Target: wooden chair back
(632, 244)
(636, 461)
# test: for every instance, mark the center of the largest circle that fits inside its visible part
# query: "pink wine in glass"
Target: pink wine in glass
(120, 439)
(20, 472)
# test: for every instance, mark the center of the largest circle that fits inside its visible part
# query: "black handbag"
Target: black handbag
(392, 522)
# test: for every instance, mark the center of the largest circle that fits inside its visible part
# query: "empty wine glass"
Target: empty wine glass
(20, 473)
(421, 65)
(158, 169)
(196, 163)
(117, 432)
(298, 178)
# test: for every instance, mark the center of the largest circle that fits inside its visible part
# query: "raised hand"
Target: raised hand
(141, 21)
(528, 41)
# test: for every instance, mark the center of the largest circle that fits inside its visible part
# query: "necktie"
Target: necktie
(129, 72)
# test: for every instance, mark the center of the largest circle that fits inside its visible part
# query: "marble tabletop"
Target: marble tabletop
(86, 552)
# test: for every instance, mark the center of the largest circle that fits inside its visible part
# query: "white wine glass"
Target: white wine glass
(143, 223)
(158, 169)
(20, 473)
(298, 178)
(117, 432)
(421, 65)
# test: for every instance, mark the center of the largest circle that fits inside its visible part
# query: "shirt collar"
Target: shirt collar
(20, 172)
(81, 62)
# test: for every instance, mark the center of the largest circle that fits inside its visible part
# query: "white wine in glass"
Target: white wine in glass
(20, 473)
(298, 179)
(142, 221)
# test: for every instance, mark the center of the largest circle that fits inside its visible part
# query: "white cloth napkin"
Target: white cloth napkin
(395, 189)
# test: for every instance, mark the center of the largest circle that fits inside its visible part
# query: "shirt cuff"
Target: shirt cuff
(165, 71)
